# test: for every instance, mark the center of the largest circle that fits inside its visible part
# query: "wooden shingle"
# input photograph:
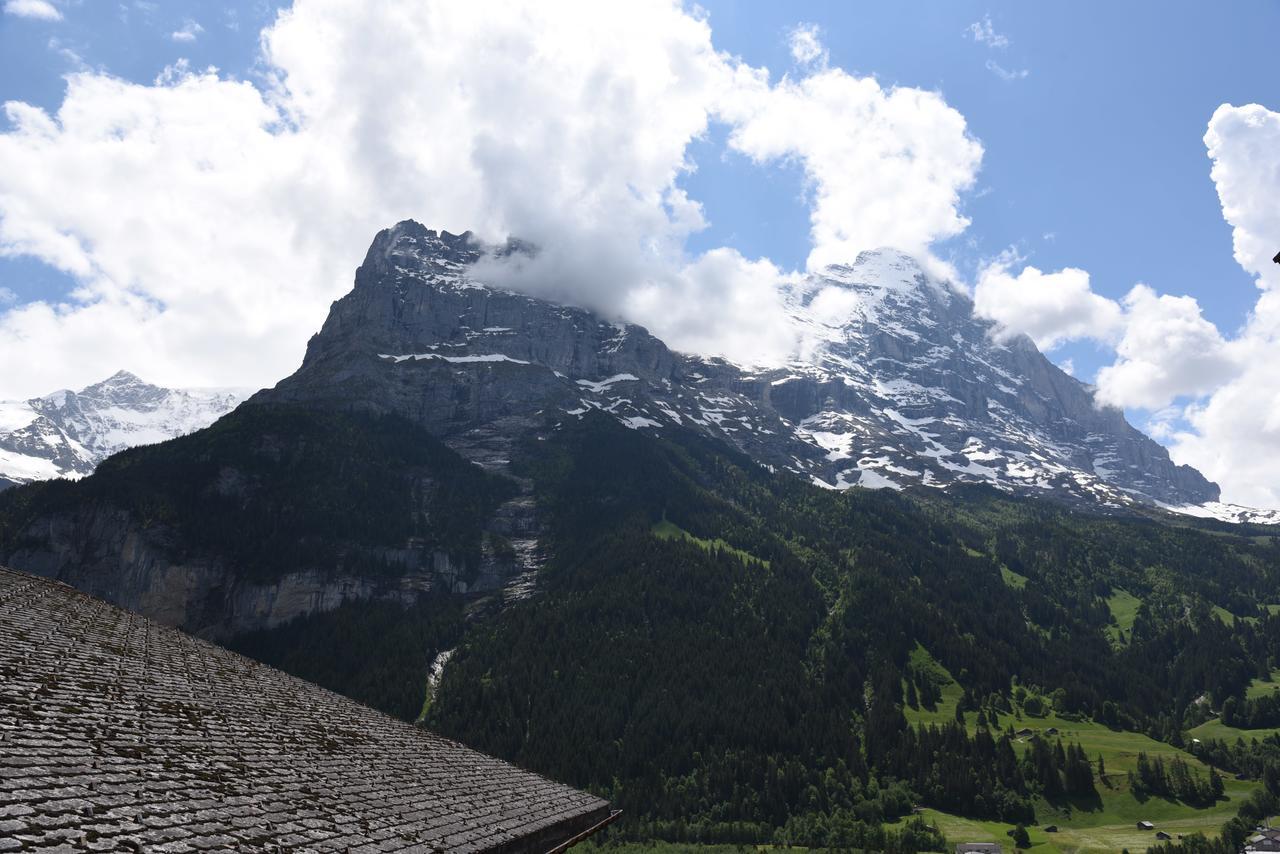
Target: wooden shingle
(119, 733)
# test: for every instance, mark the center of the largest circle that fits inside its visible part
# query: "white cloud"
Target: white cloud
(984, 32)
(886, 167)
(210, 222)
(1233, 435)
(188, 32)
(7, 296)
(806, 45)
(1214, 399)
(1168, 351)
(1165, 349)
(1052, 308)
(1244, 144)
(39, 9)
(1005, 74)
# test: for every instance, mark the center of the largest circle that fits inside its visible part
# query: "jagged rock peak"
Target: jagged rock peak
(897, 384)
(411, 244)
(67, 433)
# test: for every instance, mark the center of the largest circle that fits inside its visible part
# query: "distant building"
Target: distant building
(1052, 828)
(1160, 834)
(1023, 733)
(1146, 825)
(979, 848)
(1264, 839)
(124, 735)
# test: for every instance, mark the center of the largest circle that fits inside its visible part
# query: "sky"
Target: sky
(186, 186)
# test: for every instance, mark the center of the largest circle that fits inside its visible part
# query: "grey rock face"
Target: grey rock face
(100, 550)
(67, 433)
(895, 383)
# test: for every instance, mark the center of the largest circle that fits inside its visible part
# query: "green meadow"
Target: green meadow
(1111, 823)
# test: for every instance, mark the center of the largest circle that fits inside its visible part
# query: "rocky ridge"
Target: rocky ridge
(895, 383)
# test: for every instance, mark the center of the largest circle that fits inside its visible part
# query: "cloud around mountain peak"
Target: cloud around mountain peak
(225, 215)
(208, 222)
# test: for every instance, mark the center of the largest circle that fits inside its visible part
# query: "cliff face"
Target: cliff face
(102, 551)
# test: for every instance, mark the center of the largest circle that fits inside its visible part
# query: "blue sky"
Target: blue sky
(1091, 116)
(1094, 159)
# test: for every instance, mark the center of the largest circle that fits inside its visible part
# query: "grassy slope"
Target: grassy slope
(1110, 828)
(1217, 729)
(1124, 610)
(1012, 578)
(1263, 687)
(670, 531)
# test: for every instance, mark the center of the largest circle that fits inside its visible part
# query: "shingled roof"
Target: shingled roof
(117, 733)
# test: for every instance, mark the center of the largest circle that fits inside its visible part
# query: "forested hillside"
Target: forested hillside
(734, 655)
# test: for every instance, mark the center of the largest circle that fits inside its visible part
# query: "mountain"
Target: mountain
(551, 537)
(67, 433)
(896, 382)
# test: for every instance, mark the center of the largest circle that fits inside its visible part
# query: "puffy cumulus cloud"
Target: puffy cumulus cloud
(1165, 348)
(886, 167)
(134, 190)
(1213, 399)
(39, 9)
(209, 222)
(745, 294)
(1244, 144)
(1052, 308)
(1233, 433)
(1168, 351)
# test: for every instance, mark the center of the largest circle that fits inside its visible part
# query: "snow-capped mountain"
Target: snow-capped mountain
(901, 384)
(896, 383)
(67, 433)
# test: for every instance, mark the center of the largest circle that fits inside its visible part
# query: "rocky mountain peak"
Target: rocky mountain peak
(121, 387)
(67, 433)
(411, 245)
(897, 384)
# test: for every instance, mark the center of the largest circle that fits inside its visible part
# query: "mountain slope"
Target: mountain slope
(270, 513)
(896, 382)
(67, 433)
(746, 680)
